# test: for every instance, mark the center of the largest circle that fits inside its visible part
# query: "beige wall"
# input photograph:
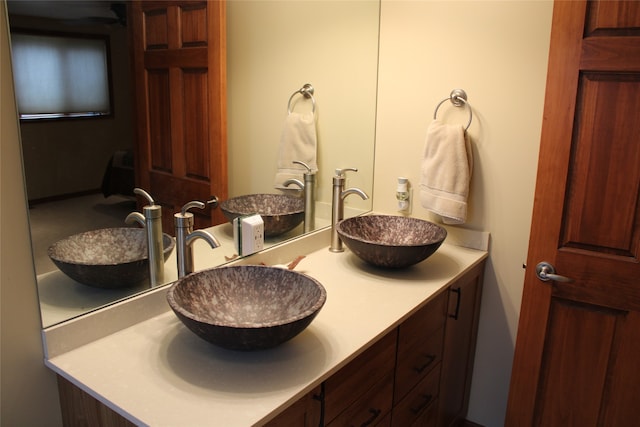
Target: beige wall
(497, 52)
(27, 389)
(274, 48)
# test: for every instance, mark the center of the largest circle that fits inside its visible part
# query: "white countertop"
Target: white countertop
(156, 372)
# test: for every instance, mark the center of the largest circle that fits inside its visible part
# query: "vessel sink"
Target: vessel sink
(106, 258)
(280, 212)
(248, 307)
(390, 241)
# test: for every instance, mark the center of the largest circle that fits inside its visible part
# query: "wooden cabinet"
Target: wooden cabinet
(419, 374)
(82, 410)
(306, 412)
(361, 392)
(419, 357)
(460, 347)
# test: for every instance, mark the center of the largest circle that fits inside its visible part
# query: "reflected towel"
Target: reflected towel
(446, 172)
(298, 142)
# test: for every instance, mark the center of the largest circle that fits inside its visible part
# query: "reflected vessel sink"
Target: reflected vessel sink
(390, 241)
(106, 258)
(280, 212)
(247, 307)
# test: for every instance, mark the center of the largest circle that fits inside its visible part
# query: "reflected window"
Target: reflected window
(60, 76)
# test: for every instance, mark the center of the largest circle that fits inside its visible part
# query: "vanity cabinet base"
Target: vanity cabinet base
(79, 409)
(419, 374)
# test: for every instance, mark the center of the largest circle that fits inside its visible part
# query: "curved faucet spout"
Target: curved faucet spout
(205, 235)
(357, 191)
(135, 217)
(294, 181)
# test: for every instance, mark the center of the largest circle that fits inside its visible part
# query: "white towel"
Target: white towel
(298, 142)
(446, 172)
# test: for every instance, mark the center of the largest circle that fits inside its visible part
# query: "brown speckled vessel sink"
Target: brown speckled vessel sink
(247, 307)
(391, 241)
(106, 258)
(280, 212)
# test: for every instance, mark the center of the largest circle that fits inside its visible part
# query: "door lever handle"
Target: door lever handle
(546, 272)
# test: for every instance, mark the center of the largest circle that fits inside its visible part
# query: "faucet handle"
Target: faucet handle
(340, 172)
(213, 201)
(141, 192)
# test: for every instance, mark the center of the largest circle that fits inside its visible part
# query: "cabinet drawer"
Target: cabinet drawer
(420, 404)
(363, 373)
(416, 362)
(371, 408)
(423, 323)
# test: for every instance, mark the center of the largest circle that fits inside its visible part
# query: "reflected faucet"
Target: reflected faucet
(185, 236)
(337, 205)
(152, 222)
(309, 188)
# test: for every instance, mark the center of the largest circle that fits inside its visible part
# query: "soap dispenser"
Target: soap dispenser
(402, 195)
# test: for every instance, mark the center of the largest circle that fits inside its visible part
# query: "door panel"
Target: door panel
(602, 195)
(573, 362)
(582, 329)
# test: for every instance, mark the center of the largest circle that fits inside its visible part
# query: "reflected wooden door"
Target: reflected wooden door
(578, 343)
(179, 61)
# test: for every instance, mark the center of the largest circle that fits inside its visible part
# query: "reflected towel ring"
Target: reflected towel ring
(458, 98)
(306, 91)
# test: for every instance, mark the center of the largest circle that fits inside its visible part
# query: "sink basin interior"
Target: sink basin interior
(280, 212)
(247, 307)
(106, 258)
(391, 241)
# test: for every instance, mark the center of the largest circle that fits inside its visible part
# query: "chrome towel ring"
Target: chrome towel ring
(307, 92)
(458, 98)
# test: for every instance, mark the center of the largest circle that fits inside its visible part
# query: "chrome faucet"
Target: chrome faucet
(185, 236)
(152, 222)
(337, 205)
(309, 188)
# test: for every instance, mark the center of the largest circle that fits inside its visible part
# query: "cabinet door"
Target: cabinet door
(459, 346)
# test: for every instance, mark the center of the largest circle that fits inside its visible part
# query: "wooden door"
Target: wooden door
(578, 343)
(179, 61)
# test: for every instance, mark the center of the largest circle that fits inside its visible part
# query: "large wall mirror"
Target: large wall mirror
(273, 49)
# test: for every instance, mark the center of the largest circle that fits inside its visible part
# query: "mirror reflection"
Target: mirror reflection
(78, 172)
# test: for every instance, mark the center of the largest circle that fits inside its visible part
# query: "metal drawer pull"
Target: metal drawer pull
(547, 272)
(375, 413)
(430, 358)
(459, 292)
(427, 399)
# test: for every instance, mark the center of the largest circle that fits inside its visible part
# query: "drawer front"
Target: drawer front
(423, 323)
(363, 373)
(371, 408)
(419, 403)
(416, 362)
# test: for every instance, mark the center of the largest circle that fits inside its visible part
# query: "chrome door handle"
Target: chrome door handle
(547, 272)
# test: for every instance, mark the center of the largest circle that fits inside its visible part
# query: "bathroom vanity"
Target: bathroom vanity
(388, 348)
